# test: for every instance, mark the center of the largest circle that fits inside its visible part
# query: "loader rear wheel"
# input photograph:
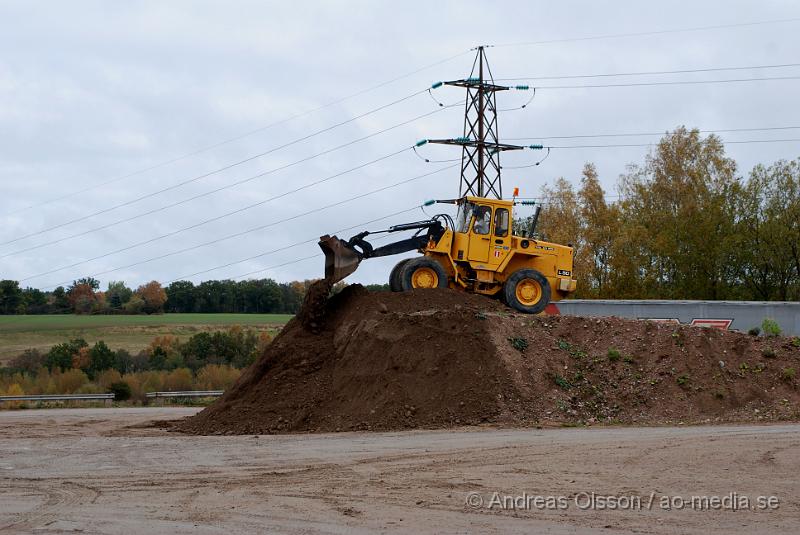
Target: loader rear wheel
(527, 290)
(423, 272)
(395, 277)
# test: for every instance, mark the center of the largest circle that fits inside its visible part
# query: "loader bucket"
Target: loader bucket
(340, 259)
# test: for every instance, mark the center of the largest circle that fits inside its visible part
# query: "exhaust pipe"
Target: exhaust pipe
(340, 259)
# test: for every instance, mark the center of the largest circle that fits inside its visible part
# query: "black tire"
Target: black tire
(527, 281)
(425, 267)
(395, 284)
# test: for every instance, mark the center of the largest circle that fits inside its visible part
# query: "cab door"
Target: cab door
(501, 237)
(480, 236)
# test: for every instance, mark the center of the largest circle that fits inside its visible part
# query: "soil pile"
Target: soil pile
(441, 358)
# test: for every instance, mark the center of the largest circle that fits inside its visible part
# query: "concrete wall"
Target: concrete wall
(743, 315)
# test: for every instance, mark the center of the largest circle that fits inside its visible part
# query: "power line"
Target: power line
(290, 246)
(227, 186)
(663, 133)
(654, 144)
(651, 73)
(649, 33)
(236, 138)
(674, 82)
(216, 171)
(219, 217)
(260, 227)
(221, 188)
(314, 256)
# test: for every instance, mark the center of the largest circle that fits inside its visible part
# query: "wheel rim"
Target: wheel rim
(424, 277)
(528, 292)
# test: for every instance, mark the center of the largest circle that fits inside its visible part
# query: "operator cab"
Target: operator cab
(478, 213)
(483, 230)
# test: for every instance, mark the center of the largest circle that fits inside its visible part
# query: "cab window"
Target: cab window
(464, 217)
(483, 219)
(501, 222)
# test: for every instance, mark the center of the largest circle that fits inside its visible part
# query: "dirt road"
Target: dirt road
(105, 471)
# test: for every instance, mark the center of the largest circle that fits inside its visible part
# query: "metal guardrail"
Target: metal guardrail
(186, 394)
(60, 397)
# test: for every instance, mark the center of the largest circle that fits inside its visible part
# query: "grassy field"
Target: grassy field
(133, 333)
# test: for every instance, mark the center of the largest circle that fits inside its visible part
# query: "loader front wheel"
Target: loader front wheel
(527, 290)
(422, 272)
(396, 276)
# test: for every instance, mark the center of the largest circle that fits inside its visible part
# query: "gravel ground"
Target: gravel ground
(109, 471)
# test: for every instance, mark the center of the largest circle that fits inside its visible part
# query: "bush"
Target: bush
(216, 377)
(770, 327)
(29, 361)
(108, 377)
(613, 354)
(14, 390)
(70, 381)
(768, 353)
(561, 382)
(796, 341)
(134, 306)
(121, 391)
(682, 380)
(178, 380)
(520, 344)
(755, 331)
(787, 374)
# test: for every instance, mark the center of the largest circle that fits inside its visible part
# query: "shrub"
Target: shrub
(770, 327)
(561, 382)
(134, 306)
(613, 354)
(69, 381)
(683, 380)
(108, 377)
(768, 353)
(787, 374)
(121, 390)
(216, 377)
(520, 344)
(755, 331)
(14, 390)
(796, 341)
(179, 379)
(29, 361)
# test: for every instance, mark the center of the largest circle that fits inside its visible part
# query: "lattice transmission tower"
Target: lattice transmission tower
(480, 152)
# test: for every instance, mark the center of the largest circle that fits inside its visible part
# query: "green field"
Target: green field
(133, 333)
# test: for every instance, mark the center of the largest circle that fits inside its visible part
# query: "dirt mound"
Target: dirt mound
(440, 358)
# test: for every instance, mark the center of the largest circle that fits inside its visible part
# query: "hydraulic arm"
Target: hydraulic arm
(343, 257)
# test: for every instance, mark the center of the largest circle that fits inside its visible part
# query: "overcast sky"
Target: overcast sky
(94, 91)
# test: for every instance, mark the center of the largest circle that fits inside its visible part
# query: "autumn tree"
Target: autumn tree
(599, 231)
(81, 297)
(153, 296)
(680, 217)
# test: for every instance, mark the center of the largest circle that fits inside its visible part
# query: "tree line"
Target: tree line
(682, 225)
(84, 296)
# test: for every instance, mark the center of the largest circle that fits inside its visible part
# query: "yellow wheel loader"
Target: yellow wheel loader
(477, 253)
